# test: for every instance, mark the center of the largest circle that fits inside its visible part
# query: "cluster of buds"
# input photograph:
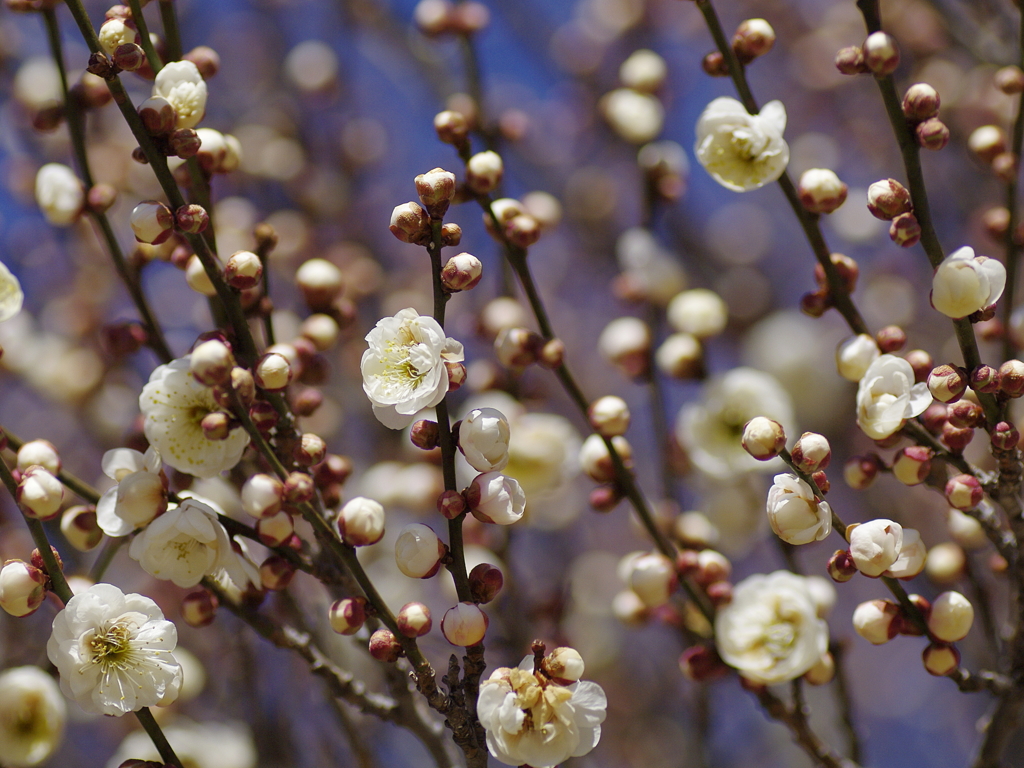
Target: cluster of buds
(921, 108)
(890, 201)
(879, 55)
(518, 348)
(989, 144)
(817, 302)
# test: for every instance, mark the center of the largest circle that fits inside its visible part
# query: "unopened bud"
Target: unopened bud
(484, 171)
(881, 54)
(941, 659)
(40, 494)
(850, 61)
(275, 530)
(461, 273)
(964, 492)
(158, 116)
(887, 199)
(152, 222)
(414, 620)
(321, 283)
(946, 562)
(987, 380)
(101, 197)
(753, 38)
(451, 234)
(905, 230)
(418, 551)
(987, 142)
(384, 646)
(457, 375)
(811, 453)
(966, 414)
(464, 625)
(244, 270)
(1005, 166)
(452, 127)
(211, 363)
(129, 57)
(1005, 436)
(876, 621)
(264, 416)
(517, 347)
(523, 230)
(763, 438)
(262, 495)
(272, 372)
(485, 582)
(41, 453)
(912, 464)
(79, 526)
(920, 102)
(348, 615)
(436, 189)
(951, 617)
(956, 438)
(932, 134)
(821, 190)
(276, 573)
(425, 435)
(309, 450)
(680, 356)
(199, 609)
(361, 522)
(552, 354)
(714, 64)
(1009, 80)
(22, 588)
(184, 143)
(626, 343)
(451, 504)
(702, 664)
(609, 416)
(947, 383)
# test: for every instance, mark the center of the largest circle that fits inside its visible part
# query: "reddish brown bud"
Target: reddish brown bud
(841, 566)
(485, 582)
(850, 61)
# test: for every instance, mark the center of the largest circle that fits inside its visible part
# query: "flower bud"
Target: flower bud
(523, 230)
(361, 522)
(457, 375)
(698, 312)
(753, 38)
(702, 664)
(244, 270)
(887, 199)
(652, 577)
(1005, 436)
(714, 64)
(418, 551)
(956, 439)
(275, 530)
(987, 380)
(451, 504)
(272, 372)
(425, 435)
(158, 116)
(262, 414)
(40, 494)
(199, 608)
(643, 71)
(912, 556)
(626, 343)
(436, 189)
(276, 573)
(947, 383)
(875, 621)
(40, 453)
(821, 191)
(485, 582)
(951, 617)
(854, 355)
(1011, 378)
(79, 526)
(850, 61)
(192, 219)
(987, 142)
(152, 222)
(941, 659)
(464, 625)
(966, 414)
(410, 224)
(517, 347)
(881, 54)
(841, 567)
(452, 127)
(384, 646)
(22, 588)
(115, 32)
(680, 356)
(875, 545)
(129, 57)
(484, 171)
(609, 416)
(920, 102)
(564, 665)
(597, 462)
(414, 620)
(262, 495)
(197, 278)
(911, 465)
(811, 452)
(905, 230)
(763, 438)
(310, 450)
(1009, 80)
(946, 562)
(860, 472)
(320, 282)
(184, 143)
(461, 273)
(932, 134)
(494, 498)
(348, 615)
(483, 439)
(211, 363)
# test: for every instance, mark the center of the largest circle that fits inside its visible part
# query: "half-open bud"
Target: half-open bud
(414, 620)
(361, 522)
(418, 551)
(22, 588)
(152, 222)
(763, 438)
(348, 615)
(811, 452)
(464, 624)
(876, 621)
(40, 494)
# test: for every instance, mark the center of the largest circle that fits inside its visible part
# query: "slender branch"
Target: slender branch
(796, 720)
(146, 41)
(842, 689)
(1013, 246)
(106, 557)
(172, 36)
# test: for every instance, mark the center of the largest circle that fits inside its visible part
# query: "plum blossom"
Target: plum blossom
(11, 296)
(888, 395)
(140, 493)
(113, 652)
(484, 439)
(793, 512)
(174, 405)
(875, 546)
(771, 631)
(742, 151)
(531, 719)
(403, 369)
(964, 283)
(181, 84)
(60, 194)
(32, 716)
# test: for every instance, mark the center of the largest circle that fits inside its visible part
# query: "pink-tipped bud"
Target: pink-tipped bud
(384, 646)
(517, 347)
(184, 143)
(414, 620)
(1011, 378)
(276, 573)
(920, 102)
(714, 64)
(158, 116)
(763, 438)
(309, 450)
(485, 582)
(451, 234)
(206, 59)
(411, 224)
(523, 230)
(956, 438)
(244, 270)
(1005, 436)
(887, 199)
(299, 488)
(881, 54)
(932, 134)
(484, 171)
(211, 363)
(22, 588)
(891, 339)
(850, 61)
(702, 664)
(821, 190)
(912, 464)
(876, 621)
(425, 435)
(753, 38)
(361, 522)
(348, 615)
(452, 127)
(464, 625)
(987, 380)
(199, 609)
(272, 372)
(966, 414)
(451, 504)
(811, 452)
(262, 495)
(264, 416)
(275, 530)
(418, 551)
(964, 492)
(905, 230)
(192, 219)
(152, 222)
(436, 189)
(941, 659)
(653, 578)
(129, 57)
(461, 273)
(841, 566)
(947, 383)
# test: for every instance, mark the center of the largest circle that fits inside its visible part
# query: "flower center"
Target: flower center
(779, 639)
(405, 362)
(112, 647)
(747, 144)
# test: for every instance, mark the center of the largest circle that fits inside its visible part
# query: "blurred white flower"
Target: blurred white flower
(530, 719)
(11, 296)
(711, 429)
(793, 512)
(174, 404)
(637, 117)
(32, 715)
(187, 543)
(198, 745)
(113, 652)
(181, 84)
(403, 369)
(138, 497)
(59, 194)
(964, 283)
(888, 395)
(771, 632)
(855, 354)
(742, 151)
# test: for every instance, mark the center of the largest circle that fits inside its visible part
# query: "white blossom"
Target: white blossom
(771, 632)
(187, 543)
(875, 546)
(711, 430)
(197, 745)
(113, 652)
(742, 151)
(11, 296)
(793, 512)
(888, 395)
(32, 716)
(59, 194)
(912, 557)
(181, 84)
(484, 438)
(139, 496)
(855, 355)
(637, 117)
(403, 369)
(530, 719)
(494, 498)
(964, 283)
(174, 405)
